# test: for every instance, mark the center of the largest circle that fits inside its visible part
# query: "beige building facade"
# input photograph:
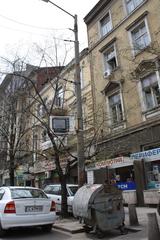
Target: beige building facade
(124, 48)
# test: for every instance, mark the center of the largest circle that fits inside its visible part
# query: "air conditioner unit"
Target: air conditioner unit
(47, 174)
(62, 124)
(106, 74)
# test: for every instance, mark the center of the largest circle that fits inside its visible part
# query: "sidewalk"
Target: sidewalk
(73, 226)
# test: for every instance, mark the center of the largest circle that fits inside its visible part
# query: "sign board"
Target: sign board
(150, 155)
(114, 163)
(126, 185)
(153, 185)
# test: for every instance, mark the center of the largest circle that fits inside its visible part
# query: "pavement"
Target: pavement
(140, 231)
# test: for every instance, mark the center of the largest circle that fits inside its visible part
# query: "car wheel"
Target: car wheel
(47, 228)
(2, 232)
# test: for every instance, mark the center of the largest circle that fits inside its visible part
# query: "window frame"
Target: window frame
(100, 24)
(59, 100)
(107, 70)
(134, 51)
(109, 111)
(2, 192)
(142, 92)
(82, 77)
(135, 6)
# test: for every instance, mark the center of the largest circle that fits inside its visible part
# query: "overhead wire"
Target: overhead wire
(29, 25)
(39, 34)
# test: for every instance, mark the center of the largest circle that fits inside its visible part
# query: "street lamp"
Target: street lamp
(80, 138)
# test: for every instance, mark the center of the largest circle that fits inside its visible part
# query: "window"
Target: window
(19, 193)
(105, 25)
(53, 190)
(110, 60)
(115, 107)
(151, 91)
(41, 109)
(59, 97)
(132, 4)
(81, 77)
(1, 193)
(45, 137)
(140, 37)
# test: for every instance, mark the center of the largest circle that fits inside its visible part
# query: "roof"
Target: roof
(95, 10)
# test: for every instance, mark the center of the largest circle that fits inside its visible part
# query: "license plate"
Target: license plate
(33, 209)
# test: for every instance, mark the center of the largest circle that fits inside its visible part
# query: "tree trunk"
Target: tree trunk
(64, 206)
(11, 171)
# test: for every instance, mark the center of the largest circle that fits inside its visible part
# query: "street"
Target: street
(37, 234)
(63, 228)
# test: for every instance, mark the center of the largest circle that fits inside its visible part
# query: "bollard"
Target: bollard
(153, 229)
(133, 219)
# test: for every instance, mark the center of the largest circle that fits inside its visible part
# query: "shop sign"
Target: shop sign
(114, 163)
(153, 154)
(153, 185)
(126, 185)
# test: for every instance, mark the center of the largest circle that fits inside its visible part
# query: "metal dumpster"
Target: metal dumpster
(100, 207)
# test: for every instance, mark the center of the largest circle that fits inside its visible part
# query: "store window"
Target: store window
(123, 178)
(152, 167)
(153, 174)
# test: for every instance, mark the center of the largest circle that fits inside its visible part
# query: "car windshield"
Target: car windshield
(73, 190)
(27, 193)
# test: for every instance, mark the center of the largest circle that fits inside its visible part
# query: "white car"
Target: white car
(25, 207)
(54, 192)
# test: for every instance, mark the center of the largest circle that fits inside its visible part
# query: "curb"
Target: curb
(65, 229)
(81, 229)
(134, 228)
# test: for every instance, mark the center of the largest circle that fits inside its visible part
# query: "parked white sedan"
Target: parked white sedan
(54, 192)
(25, 207)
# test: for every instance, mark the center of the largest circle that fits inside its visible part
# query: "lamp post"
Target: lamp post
(80, 138)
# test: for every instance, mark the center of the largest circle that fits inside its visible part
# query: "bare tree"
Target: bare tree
(39, 109)
(13, 128)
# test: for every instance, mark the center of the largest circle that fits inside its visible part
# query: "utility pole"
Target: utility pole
(80, 137)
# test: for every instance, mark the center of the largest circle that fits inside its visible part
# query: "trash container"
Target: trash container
(100, 207)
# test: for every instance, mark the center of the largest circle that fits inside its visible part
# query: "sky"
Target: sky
(29, 26)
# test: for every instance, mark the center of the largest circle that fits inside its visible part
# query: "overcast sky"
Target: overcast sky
(24, 23)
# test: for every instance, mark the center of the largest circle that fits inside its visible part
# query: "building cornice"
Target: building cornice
(96, 10)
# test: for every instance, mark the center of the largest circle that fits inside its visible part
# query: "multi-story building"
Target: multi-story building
(124, 51)
(17, 135)
(120, 82)
(64, 112)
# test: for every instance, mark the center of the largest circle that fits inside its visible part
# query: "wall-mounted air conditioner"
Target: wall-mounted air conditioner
(106, 74)
(62, 124)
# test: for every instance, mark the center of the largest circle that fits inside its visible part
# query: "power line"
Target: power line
(29, 25)
(33, 33)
